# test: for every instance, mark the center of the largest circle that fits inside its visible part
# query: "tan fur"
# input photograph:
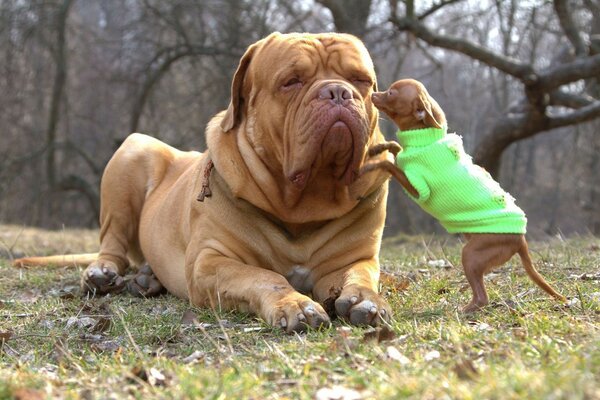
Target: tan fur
(410, 106)
(260, 230)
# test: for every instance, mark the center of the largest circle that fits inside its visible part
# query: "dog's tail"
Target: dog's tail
(64, 260)
(535, 275)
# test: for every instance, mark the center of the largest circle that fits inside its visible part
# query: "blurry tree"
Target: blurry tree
(551, 97)
(76, 77)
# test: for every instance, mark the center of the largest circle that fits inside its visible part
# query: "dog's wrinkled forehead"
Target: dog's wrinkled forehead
(310, 54)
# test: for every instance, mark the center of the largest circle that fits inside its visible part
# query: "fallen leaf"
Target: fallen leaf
(152, 376)
(102, 325)
(189, 318)
(81, 322)
(482, 327)
(519, 333)
(195, 356)
(61, 350)
(586, 277)
(590, 277)
(573, 302)
(343, 341)
(393, 354)
(252, 329)
(105, 346)
(287, 382)
(28, 394)
(338, 393)
(67, 292)
(91, 337)
(465, 369)
(439, 264)
(380, 333)
(432, 355)
(156, 377)
(30, 296)
(394, 282)
(4, 336)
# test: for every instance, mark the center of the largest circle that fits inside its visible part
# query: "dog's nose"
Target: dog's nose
(336, 93)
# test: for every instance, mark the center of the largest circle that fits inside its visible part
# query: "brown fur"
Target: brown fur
(287, 211)
(410, 106)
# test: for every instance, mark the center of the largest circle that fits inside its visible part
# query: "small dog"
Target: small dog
(437, 173)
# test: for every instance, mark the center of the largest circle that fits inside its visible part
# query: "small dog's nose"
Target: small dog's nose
(336, 93)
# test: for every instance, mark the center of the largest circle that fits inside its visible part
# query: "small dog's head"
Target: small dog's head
(409, 105)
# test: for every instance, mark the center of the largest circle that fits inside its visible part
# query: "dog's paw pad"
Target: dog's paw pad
(145, 284)
(362, 306)
(101, 278)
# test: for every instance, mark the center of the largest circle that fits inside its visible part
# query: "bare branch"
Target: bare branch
(570, 100)
(436, 7)
(77, 183)
(583, 114)
(155, 73)
(592, 6)
(561, 7)
(581, 68)
(522, 71)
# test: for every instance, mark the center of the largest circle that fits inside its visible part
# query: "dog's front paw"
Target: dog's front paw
(101, 277)
(362, 306)
(296, 312)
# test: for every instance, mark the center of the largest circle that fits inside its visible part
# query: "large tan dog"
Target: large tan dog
(282, 209)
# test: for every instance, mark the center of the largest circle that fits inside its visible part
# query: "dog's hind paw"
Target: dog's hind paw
(145, 283)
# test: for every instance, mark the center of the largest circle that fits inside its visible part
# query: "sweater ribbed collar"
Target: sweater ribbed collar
(420, 137)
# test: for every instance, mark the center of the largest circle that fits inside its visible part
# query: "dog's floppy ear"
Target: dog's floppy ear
(232, 115)
(427, 110)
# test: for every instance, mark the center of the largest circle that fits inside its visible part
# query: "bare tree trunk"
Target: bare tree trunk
(157, 68)
(349, 16)
(60, 78)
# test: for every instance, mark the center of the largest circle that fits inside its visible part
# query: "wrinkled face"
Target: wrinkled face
(308, 105)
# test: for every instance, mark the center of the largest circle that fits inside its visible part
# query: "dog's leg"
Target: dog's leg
(354, 290)
(482, 253)
(125, 182)
(221, 282)
(394, 171)
(379, 148)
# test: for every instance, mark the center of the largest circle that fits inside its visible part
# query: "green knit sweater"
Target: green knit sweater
(460, 194)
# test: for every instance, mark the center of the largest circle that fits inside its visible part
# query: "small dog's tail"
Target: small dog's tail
(535, 275)
(64, 260)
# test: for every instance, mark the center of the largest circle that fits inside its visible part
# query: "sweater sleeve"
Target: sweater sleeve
(418, 183)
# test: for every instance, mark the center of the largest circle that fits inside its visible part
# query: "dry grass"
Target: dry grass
(59, 345)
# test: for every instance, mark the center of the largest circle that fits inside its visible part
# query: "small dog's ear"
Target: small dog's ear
(427, 110)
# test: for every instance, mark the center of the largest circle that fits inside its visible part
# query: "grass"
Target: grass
(524, 345)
